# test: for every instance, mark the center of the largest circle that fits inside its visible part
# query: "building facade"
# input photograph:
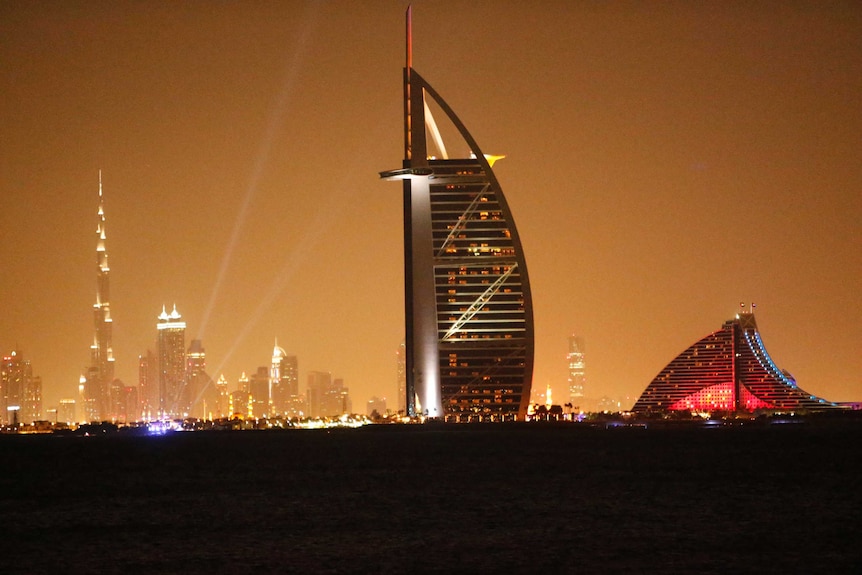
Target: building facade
(284, 383)
(261, 395)
(577, 371)
(20, 391)
(67, 412)
(148, 385)
(469, 341)
(173, 401)
(327, 397)
(728, 370)
(200, 393)
(223, 404)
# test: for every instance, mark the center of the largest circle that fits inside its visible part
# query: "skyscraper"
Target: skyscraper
(261, 398)
(318, 384)
(31, 408)
(468, 310)
(148, 385)
(577, 372)
(173, 401)
(200, 394)
(66, 412)
(100, 372)
(20, 392)
(284, 382)
(222, 406)
(327, 397)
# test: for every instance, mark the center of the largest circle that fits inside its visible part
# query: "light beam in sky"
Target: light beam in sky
(276, 117)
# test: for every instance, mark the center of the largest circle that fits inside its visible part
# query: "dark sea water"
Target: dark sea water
(448, 498)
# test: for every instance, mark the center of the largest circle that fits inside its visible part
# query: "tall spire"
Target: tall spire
(409, 37)
(100, 373)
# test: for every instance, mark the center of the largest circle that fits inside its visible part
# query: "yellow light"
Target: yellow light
(491, 159)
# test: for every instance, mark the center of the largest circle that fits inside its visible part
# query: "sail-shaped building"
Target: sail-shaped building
(468, 310)
(727, 370)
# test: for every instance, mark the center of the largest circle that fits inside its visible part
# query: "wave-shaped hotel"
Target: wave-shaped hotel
(728, 370)
(468, 312)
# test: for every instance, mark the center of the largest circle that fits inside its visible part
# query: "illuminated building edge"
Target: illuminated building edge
(728, 370)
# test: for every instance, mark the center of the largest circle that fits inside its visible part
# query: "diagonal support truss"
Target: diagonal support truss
(462, 221)
(479, 303)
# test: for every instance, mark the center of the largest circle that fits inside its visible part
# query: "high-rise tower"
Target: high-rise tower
(173, 399)
(577, 372)
(100, 372)
(199, 393)
(468, 310)
(284, 383)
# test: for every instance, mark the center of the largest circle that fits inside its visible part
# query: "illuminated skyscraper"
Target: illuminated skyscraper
(31, 407)
(173, 401)
(200, 394)
(261, 398)
(66, 413)
(577, 373)
(469, 318)
(319, 383)
(222, 407)
(100, 372)
(200, 390)
(327, 397)
(284, 382)
(148, 385)
(20, 392)
(728, 370)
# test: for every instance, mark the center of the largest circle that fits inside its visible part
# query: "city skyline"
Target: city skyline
(664, 162)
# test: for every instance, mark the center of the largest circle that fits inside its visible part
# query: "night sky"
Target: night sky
(664, 162)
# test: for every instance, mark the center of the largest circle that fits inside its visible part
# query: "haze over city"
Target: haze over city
(664, 162)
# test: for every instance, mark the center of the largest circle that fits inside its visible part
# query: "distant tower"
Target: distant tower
(277, 391)
(284, 382)
(100, 372)
(319, 383)
(20, 392)
(243, 383)
(577, 374)
(222, 407)
(66, 412)
(172, 364)
(84, 406)
(31, 408)
(261, 400)
(199, 395)
(148, 385)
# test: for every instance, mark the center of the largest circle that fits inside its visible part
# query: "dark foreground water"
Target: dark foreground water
(458, 499)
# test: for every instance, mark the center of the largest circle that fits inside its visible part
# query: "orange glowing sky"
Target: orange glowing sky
(665, 161)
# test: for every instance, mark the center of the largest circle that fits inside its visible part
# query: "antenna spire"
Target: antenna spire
(409, 37)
